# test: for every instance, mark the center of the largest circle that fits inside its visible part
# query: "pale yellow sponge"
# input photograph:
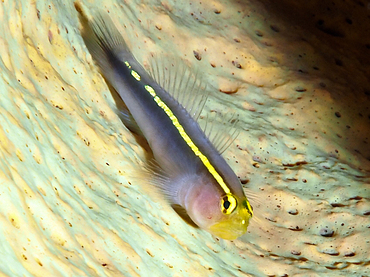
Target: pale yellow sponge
(72, 198)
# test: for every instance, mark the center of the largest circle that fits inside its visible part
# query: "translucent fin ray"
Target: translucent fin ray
(180, 82)
(221, 130)
(103, 41)
(158, 177)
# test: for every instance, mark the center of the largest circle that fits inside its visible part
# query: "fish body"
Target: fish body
(196, 176)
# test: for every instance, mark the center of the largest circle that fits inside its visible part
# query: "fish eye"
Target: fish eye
(228, 204)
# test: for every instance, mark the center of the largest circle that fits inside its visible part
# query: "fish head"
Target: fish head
(223, 215)
(234, 220)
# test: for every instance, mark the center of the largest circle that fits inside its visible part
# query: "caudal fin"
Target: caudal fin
(105, 43)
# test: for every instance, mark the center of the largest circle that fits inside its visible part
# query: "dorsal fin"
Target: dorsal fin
(221, 129)
(180, 82)
(186, 86)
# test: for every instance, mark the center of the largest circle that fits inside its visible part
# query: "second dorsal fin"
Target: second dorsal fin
(179, 80)
(187, 87)
(221, 129)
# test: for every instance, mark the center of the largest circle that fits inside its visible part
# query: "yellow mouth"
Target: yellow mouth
(235, 225)
(229, 229)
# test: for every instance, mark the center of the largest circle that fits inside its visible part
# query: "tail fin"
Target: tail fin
(103, 40)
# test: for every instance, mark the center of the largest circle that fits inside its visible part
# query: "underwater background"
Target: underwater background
(73, 200)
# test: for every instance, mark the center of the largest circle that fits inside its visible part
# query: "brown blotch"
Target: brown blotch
(296, 228)
(149, 253)
(296, 164)
(244, 181)
(237, 64)
(232, 91)
(259, 33)
(197, 55)
(300, 89)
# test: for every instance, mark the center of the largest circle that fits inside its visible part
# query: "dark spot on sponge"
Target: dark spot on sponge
(259, 33)
(330, 30)
(338, 62)
(197, 55)
(236, 64)
(326, 232)
(349, 254)
(336, 205)
(275, 29)
(300, 89)
(349, 21)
